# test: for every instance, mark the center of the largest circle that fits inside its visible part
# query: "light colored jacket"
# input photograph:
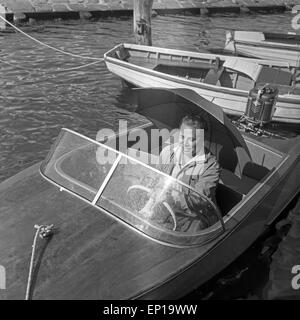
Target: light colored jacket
(201, 173)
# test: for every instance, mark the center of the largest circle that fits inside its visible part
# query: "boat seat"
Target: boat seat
(275, 76)
(296, 91)
(213, 76)
(183, 64)
(225, 80)
(122, 54)
(241, 185)
(227, 198)
(255, 171)
(231, 157)
(188, 70)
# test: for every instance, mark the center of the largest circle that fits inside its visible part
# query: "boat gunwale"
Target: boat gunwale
(269, 44)
(191, 54)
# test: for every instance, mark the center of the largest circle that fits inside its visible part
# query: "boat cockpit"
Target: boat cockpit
(126, 187)
(124, 180)
(123, 185)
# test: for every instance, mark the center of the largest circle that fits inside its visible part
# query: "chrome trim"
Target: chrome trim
(107, 178)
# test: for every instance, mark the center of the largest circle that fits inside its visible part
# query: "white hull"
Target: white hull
(233, 101)
(264, 49)
(250, 50)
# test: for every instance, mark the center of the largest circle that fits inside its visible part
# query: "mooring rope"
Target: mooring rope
(98, 60)
(43, 231)
(47, 45)
(78, 67)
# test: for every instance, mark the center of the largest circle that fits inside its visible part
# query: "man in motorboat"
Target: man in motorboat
(190, 162)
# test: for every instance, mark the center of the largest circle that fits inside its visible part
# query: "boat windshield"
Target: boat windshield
(152, 202)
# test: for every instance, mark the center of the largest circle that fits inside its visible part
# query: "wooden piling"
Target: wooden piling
(3, 12)
(142, 21)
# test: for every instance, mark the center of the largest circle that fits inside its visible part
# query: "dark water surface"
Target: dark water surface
(37, 102)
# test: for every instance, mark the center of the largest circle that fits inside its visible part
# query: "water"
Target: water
(36, 103)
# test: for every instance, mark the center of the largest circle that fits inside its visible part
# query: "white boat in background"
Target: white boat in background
(274, 46)
(224, 80)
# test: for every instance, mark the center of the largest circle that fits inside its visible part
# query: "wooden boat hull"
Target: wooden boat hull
(240, 44)
(93, 255)
(233, 101)
(98, 253)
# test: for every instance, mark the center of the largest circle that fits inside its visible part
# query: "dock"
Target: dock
(18, 10)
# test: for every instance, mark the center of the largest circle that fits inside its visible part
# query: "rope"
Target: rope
(79, 67)
(43, 231)
(47, 45)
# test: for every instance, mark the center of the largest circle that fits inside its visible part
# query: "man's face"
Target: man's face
(191, 139)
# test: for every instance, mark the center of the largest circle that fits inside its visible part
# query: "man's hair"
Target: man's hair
(194, 121)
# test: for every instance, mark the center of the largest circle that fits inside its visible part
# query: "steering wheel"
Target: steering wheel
(164, 203)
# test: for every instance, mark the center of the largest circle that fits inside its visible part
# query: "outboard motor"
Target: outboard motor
(261, 104)
(259, 110)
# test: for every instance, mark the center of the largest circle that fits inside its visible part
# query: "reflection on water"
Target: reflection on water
(35, 102)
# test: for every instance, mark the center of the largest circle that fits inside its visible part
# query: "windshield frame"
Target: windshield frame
(109, 175)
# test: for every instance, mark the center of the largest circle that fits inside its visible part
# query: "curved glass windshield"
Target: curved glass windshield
(154, 203)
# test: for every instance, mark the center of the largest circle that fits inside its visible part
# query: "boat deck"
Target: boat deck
(143, 62)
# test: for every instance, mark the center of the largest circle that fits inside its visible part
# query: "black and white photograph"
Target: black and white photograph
(149, 150)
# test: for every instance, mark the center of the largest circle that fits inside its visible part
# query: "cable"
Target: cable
(47, 45)
(78, 67)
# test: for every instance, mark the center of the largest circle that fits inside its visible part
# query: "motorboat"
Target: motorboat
(87, 197)
(224, 80)
(265, 45)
